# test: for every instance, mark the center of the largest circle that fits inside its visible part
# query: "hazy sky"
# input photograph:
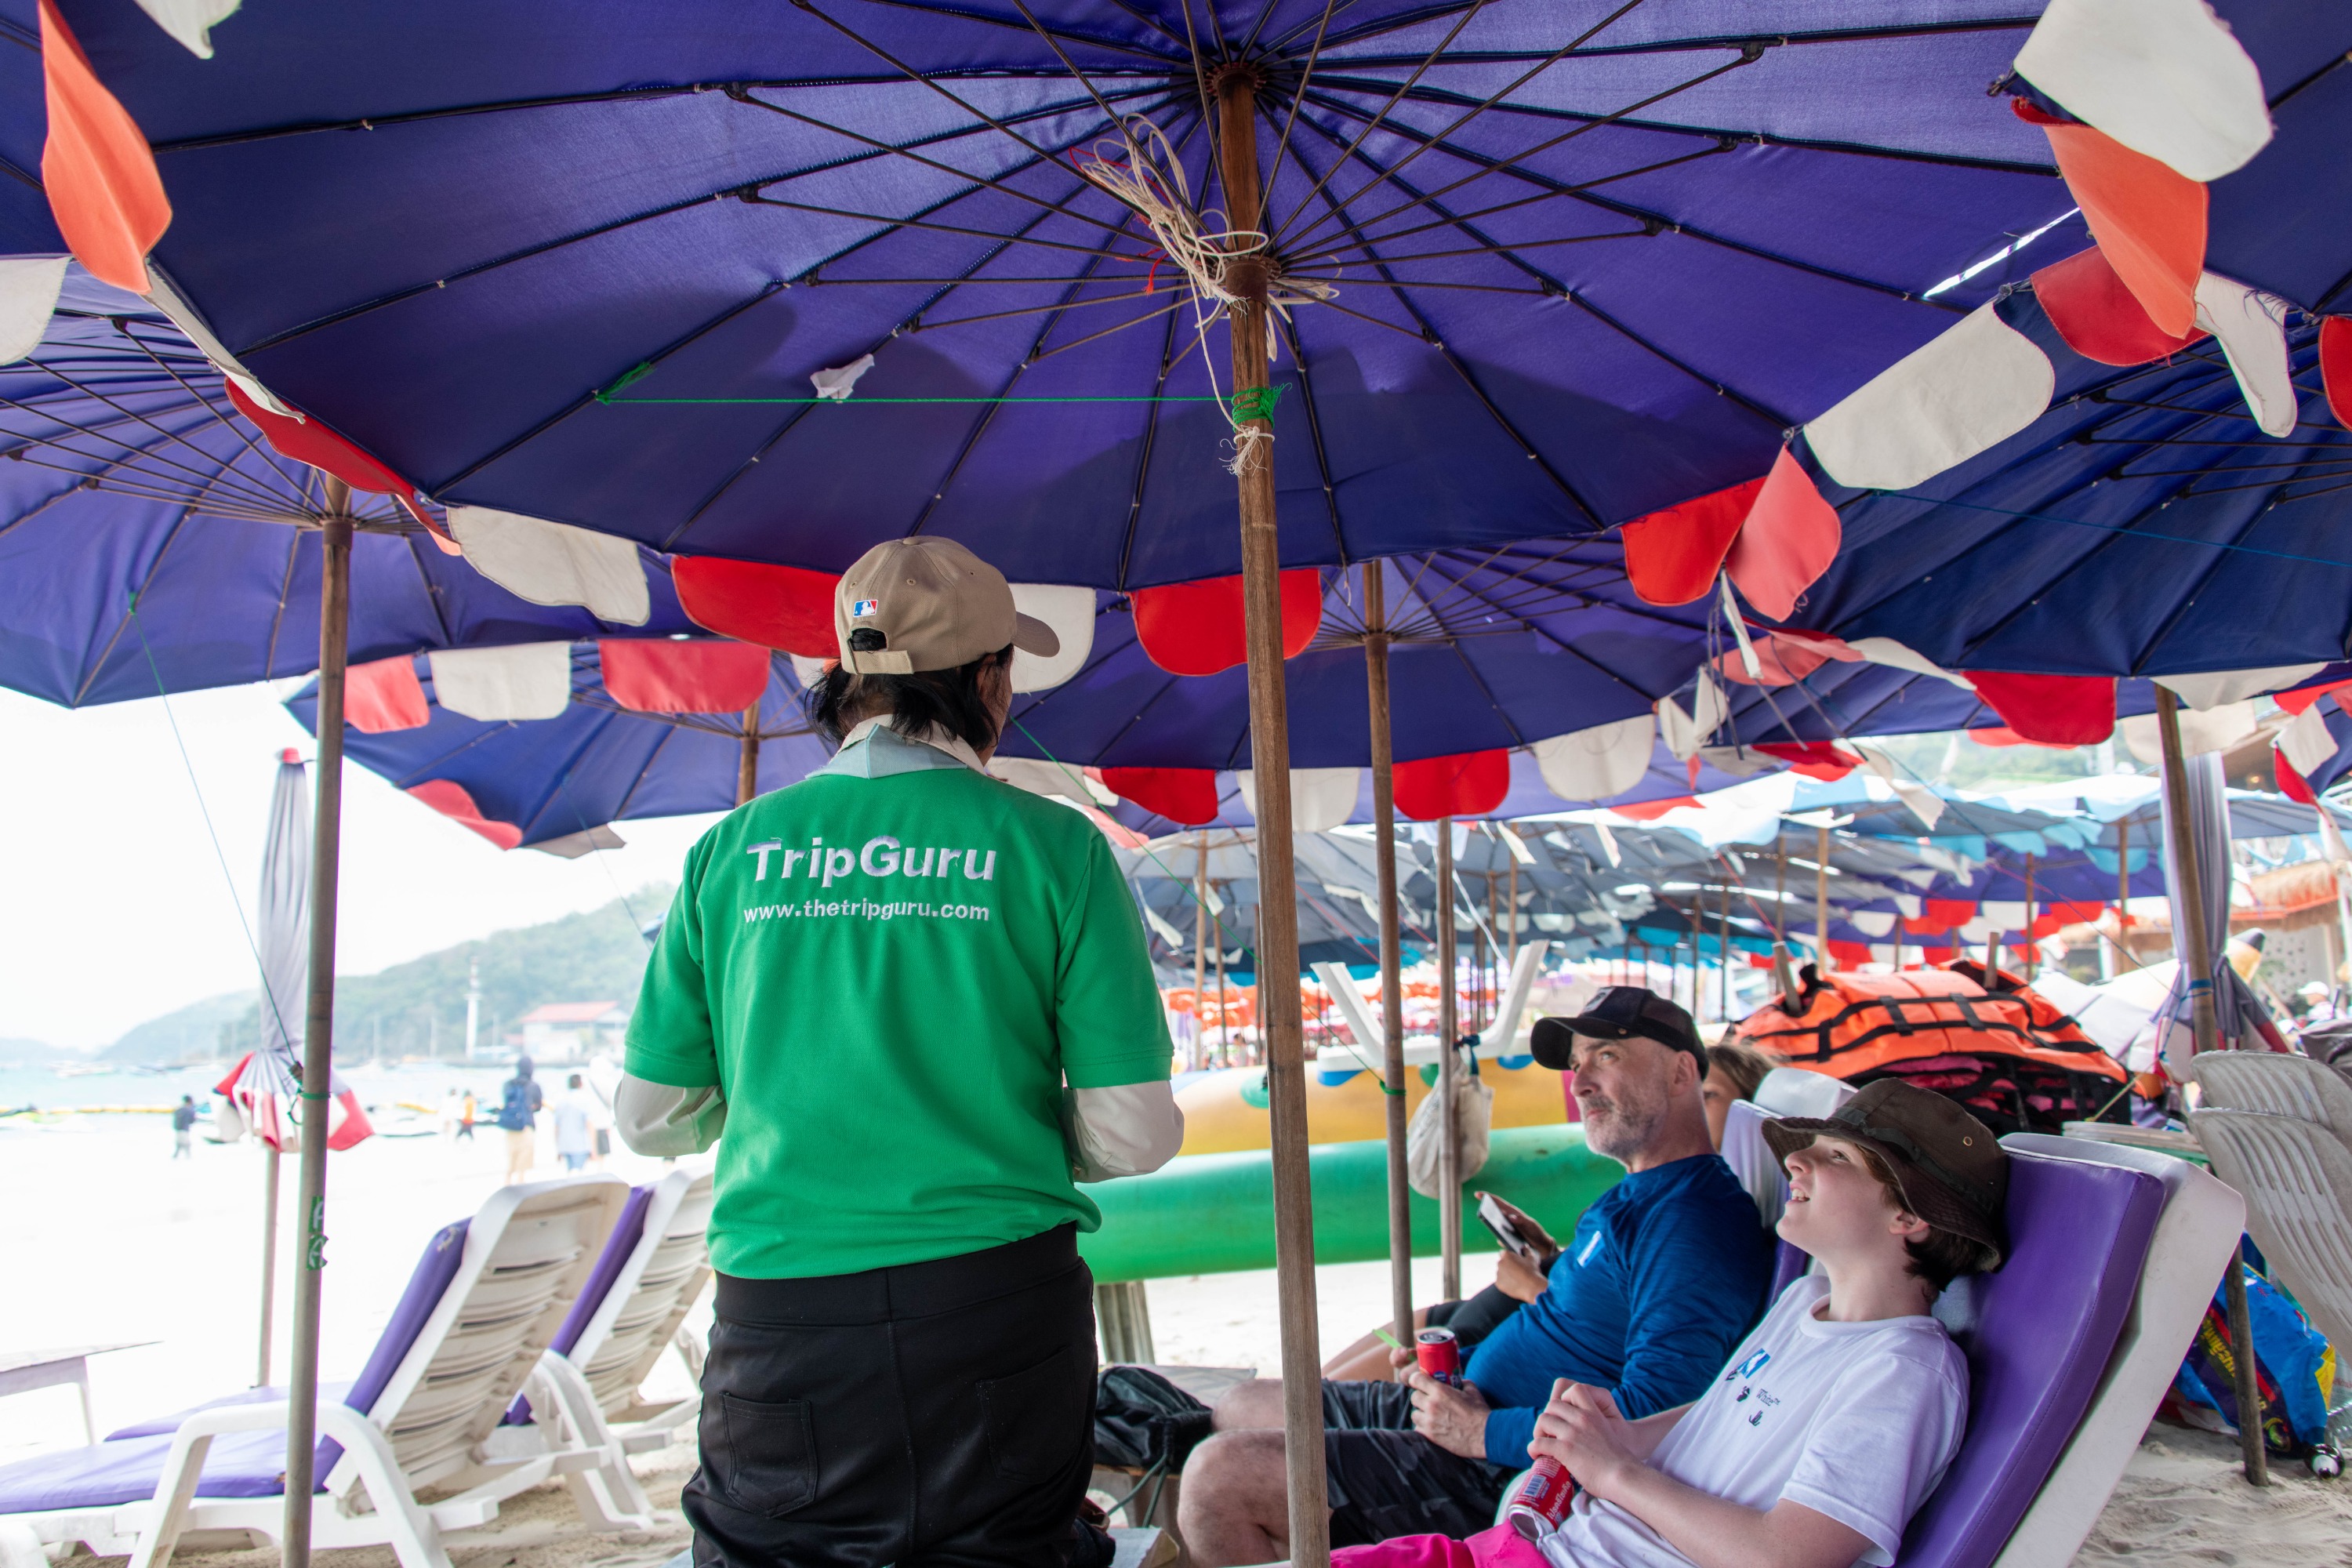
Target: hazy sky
(114, 908)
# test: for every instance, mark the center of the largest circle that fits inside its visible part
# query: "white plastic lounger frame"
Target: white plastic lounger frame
(2190, 1247)
(1497, 1039)
(588, 1399)
(2272, 1083)
(2298, 1184)
(528, 1252)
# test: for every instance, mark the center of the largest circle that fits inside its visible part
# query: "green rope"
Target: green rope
(1214, 919)
(1256, 403)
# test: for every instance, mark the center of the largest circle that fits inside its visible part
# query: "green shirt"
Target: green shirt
(890, 968)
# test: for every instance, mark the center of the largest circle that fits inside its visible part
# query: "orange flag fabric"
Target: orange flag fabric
(102, 184)
(2147, 217)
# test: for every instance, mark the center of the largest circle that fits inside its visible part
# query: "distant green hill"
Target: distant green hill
(27, 1053)
(191, 1034)
(418, 1008)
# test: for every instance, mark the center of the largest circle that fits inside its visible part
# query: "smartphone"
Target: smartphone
(1491, 1216)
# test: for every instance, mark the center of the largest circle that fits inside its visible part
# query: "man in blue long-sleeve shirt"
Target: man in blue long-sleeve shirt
(1662, 1277)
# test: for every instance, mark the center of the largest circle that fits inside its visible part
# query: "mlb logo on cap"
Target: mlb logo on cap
(863, 608)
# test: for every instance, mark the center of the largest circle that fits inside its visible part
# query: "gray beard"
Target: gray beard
(1625, 1130)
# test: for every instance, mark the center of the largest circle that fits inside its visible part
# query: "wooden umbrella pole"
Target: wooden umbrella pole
(2188, 926)
(268, 1258)
(2123, 886)
(1384, 871)
(747, 771)
(1247, 277)
(319, 1030)
(2026, 942)
(1449, 1024)
(1822, 896)
(1201, 954)
(1723, 944)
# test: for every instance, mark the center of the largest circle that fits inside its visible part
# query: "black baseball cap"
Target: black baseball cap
(1619, 1013)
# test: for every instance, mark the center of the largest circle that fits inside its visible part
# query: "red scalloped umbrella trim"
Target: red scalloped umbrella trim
(1672, 556)
(2050, 710)
(1199, 628)
(1188, 795)
(1823, 760)
(1651, 810)
(2335, 367)
(454, 800)
(100, 178)
(785, 608)
(649, 675)
(1790, 537)
(1467, 784)
(2100, 318)
(384, 695)
(2291, 783)
(2147, 217)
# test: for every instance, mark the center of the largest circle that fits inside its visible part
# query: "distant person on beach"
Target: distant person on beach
(572, 1143)
(452, 1109)
(1836, 1419)
(919, 1002)
(183, 1125)
(519, 1110)
(469, 1111)
(1665, 1273)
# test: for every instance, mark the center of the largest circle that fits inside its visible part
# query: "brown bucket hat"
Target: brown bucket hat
(1952, 1170)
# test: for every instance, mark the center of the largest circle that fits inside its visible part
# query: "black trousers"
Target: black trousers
(935, 1415)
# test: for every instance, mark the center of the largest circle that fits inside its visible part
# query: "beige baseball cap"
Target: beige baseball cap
(927, 604)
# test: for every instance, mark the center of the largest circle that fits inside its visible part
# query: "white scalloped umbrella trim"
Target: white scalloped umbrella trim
(1974, 386)
(554, 562)
(527, 680)
(2166, 77)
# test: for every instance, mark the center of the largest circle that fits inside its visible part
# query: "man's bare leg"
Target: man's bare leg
(1254, 1405)
(1234, 1507)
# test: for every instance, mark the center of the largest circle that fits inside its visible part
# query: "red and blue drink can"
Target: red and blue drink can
(1440, 1354)
(1542, 1500)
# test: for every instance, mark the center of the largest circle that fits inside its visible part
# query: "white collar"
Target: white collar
(955, 746)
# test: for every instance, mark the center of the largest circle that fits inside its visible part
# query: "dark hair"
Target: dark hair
(838, 701)
(1939, 1256)
(1741, 1067)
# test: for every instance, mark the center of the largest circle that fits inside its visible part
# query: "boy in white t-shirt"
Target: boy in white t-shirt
(1839, 1415)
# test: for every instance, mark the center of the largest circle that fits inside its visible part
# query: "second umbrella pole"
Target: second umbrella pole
(1376, 684)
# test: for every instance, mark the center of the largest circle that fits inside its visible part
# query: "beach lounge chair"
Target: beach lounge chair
(2297, 1179)
(483, 1303)
(2115, 1253)
(2273, 1083)
(583, 1393)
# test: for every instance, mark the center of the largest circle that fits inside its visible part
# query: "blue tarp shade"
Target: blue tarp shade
(1612, 290)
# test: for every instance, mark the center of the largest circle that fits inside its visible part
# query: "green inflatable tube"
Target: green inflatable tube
(1210, 1214)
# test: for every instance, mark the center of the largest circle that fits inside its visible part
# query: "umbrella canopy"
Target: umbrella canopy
(151, 538)
(614, 267)
(264, 1088)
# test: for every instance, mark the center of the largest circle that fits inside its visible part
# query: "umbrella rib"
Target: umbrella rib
(964, 14)
(1298, 92)
(277, 610)
(1627, 209)
(433, 596)
(1143, 454)
(1315, 429)
(919, 325)
(1500, 94)
(691, 336)
(122, 623)
(1469, 14)
(29, 513)
(196, 475)
(235, 428)
(173, 493)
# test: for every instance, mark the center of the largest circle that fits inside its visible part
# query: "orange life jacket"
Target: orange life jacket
(2014, 1060)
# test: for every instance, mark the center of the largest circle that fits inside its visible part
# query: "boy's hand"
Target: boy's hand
(1452, 1418)
(1402, 1357)
(1534, 1235)
(1584, 1430)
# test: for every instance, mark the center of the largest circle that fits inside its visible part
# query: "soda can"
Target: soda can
(1440, 1354)
(1542, 1500)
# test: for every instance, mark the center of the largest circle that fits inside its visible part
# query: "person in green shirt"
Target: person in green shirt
(918, 1003)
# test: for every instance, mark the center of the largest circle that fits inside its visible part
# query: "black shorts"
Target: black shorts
(1387, 1479)
(1474, 1319)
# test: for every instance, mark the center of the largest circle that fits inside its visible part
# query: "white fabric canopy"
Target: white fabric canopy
(28, 297)
(528, 680)
(1975, 386)
(1685, 732)
(1320, 798)
(2166, 77)
(1599, 763)
(2222, 688)
(2250, 327)
(2201, 730)
(1071, 613)
(2306, 743)
(554, 564)
(1894, 655)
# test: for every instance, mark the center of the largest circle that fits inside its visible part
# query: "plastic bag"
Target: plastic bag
(2294, 1368)
(1473, 1120)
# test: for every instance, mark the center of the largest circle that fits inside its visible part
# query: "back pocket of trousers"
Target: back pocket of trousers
(1037, 1418)
(763, 1456)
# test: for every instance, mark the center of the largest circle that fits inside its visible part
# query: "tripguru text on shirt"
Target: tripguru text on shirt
(879, 857)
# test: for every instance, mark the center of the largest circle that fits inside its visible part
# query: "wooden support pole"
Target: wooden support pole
(319, 1030)
(2123, 888)
(1200, 953)
(2197, 964)
(2030, 946)
(1247, 277)
(1723, 940)
(747, 768)
(268, 1258)
(1384, 870)
(1822, 898)
(1449, 1025)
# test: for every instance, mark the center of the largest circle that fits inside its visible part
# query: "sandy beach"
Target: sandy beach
(112, 1240)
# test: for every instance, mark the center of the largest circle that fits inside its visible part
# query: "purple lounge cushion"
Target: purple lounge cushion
(1789, 1262)
(248, 1396)
(2038, 1335)
(127, 1467)
(584, 1306)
